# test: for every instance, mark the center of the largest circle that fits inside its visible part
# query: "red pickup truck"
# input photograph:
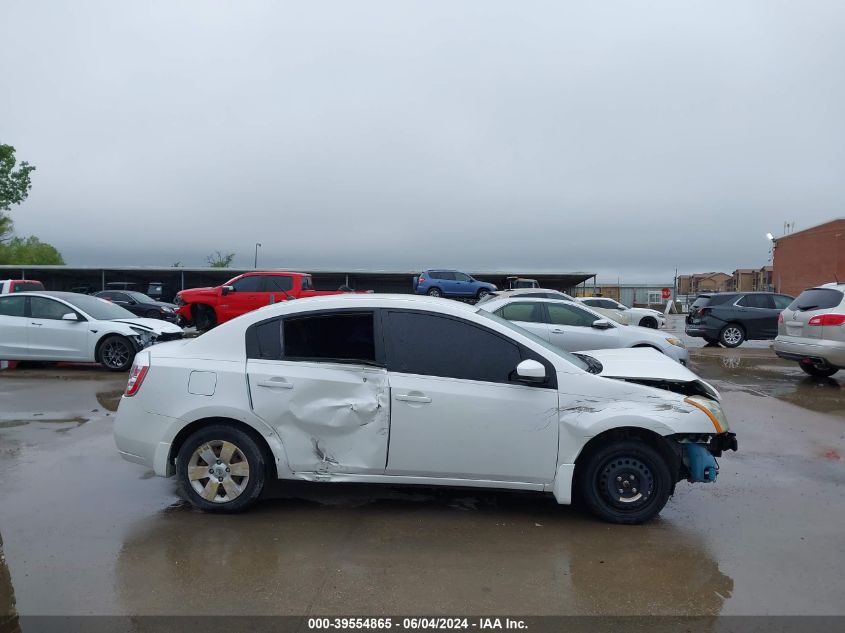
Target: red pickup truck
(207, 307)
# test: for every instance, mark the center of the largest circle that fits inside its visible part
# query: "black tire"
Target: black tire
(204, 318)
(732, 335)
(153, 314)
(711, 341)
(246, 450)
(818, 372)
(649, 322)
(626, 461)
(116, 353)
(482, 292)
(434, 292)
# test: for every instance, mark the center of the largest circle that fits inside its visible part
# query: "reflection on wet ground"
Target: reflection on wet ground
(86, 532)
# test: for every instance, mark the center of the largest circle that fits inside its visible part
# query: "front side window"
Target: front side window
(565, 314)
(347, 336)
(433, 345)
(12, 306)
(595, 303)
(41, 308)
(248, 284)
(756, 301)
(278, 283)
(530, 312)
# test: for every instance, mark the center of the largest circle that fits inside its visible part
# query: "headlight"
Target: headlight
(144, 338)
(713, 410)
(166, 309)
(675, 341)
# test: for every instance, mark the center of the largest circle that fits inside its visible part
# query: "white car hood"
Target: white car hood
(153, 325)
(644, 364)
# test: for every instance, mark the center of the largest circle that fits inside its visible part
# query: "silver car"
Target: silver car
(812, 330)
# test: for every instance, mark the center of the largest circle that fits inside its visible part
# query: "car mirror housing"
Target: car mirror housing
(70, 316)
(226, 290)
(531, 371)
(602, 324)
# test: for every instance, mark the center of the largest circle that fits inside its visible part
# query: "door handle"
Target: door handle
(409, 398)
(557, 330)
(38, 324)
(276, 383)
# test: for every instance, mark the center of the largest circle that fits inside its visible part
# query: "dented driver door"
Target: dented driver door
(331, 417)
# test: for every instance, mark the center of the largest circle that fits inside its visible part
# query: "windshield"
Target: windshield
(580, 364)
(140, 297)
(99, 309)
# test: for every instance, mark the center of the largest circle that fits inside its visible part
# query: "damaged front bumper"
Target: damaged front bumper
(698, 455)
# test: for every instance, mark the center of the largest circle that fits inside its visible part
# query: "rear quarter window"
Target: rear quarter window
(817, 299)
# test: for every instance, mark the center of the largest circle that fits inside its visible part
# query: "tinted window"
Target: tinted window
(461, 277)
(817, 299)
(756, 301)
(445, 275)
(248, 284)
(344, 336)
(276, 283)
(565, 314)
(12, 306)
(531, 312)
(700, 302)
(120, 296)
(107, 294)
(537, 295)
(264, 340)
(592, 302)
(782, 301)
(307, 283)
(97, 308)
(23, 286)
(41, 308)
(433, 345)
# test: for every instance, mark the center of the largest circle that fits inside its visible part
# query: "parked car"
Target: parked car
(65, 326)
(451, 283)
(9, 286)
(811, 330)
(409, 390)
(206, 308)
(575, 327)
(140, 304)
(644, 317)
(557, 295)
(121, 285)
(522, 282)
(730, 318)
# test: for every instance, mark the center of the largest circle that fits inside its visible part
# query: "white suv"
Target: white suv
(812, 330)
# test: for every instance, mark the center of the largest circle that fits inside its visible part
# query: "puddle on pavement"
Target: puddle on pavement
(763, 376)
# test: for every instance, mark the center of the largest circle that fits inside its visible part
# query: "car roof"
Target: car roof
(369, 300)
(56, 294)
(514, 291)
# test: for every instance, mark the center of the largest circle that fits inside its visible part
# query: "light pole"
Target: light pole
(257, 245)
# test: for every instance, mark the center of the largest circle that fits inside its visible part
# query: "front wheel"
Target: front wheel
(649, 322)
(116, 353)
(731, 335)
(221, 469)
(625, 482)
(204, 318)
(818, 372)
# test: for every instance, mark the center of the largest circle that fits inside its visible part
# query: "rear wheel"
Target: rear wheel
(221, 469)
(116, 353)
(434, 292)
(732, 335)
(204, 318)
(482, 293)
(625, 482)
(818, 372)
(650, 322)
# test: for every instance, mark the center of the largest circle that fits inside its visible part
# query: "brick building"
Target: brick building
(810, 257)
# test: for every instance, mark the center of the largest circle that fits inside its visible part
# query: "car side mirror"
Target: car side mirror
(70, 316)
(226, 290)
(531, 371)
(602, 324)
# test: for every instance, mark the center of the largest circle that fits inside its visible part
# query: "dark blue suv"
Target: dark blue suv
(451, 283)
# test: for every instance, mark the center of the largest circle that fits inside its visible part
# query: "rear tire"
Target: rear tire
(818, 372)
(434, 292)
(649, 322)
(221, 469)
(633, 467)
(116, 353)
(732, 335)
(483, 292)
(204, 318)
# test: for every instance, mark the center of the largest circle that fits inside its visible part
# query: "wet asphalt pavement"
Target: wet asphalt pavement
(84, 532)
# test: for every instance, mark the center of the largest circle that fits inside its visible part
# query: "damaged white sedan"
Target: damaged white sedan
(416, 390)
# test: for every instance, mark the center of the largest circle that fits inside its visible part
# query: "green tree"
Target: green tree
(29, 250)
(14, 186)
(219, 260)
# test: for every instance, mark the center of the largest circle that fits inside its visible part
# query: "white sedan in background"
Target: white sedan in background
(72, 327)
(644, 317)
(575, 327)
(415, 390)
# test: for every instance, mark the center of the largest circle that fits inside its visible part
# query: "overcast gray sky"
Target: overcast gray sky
(627, 138)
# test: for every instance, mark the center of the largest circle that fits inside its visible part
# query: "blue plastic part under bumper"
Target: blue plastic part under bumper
(700, 463)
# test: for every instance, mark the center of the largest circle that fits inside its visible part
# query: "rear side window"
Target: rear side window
(817, 299)
(530, 312)
(757, 301)
(264, 340)
(445, 275)
(564, 314)
(278, 283)
(701, 302)
(345, 336)
(12, 306)
(307, 283)
(25, 286)
(433, 345)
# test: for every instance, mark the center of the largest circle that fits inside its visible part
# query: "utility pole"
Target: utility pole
(257, 245)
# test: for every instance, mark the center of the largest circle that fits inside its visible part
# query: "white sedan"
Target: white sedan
(644, 317)
(415, 390)
(68, 326)
(575, 327)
